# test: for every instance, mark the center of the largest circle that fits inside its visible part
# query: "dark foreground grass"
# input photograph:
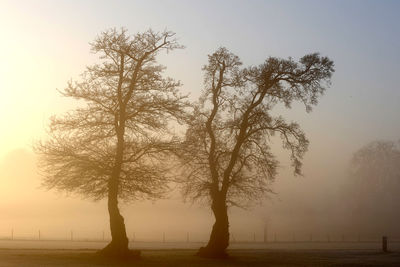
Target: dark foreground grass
(40, 257)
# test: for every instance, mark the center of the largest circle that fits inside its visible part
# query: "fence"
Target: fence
(187, 236)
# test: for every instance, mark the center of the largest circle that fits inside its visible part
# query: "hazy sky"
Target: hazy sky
(45, 43)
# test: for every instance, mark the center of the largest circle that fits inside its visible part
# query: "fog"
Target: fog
(318, 204)
(362, 105)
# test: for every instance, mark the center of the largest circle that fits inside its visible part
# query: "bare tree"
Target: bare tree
(376, 167)
(113, 146)
(226, 155)
(374, 186)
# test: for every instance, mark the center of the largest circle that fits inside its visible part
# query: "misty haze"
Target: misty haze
(184, 133)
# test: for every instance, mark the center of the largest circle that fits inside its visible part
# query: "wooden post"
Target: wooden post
(384, 244)
(265, 234)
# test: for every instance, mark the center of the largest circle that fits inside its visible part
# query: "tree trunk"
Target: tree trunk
(219, 239)
(118, 246)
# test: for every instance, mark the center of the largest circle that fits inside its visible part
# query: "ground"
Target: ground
(179, 257)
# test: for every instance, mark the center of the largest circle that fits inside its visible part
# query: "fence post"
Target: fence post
(265, 234)
(384, 243)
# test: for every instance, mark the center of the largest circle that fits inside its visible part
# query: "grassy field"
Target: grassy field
(41, 257)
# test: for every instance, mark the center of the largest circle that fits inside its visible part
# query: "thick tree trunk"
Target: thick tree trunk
(219, 239)
(118, 247)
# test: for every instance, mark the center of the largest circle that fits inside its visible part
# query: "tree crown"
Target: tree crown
(231, 126)
(127, 101)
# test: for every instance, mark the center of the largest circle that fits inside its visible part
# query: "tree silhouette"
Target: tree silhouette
(226, 155)
(114, 145)
(374, 186)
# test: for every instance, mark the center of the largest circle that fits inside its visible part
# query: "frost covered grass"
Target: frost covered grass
(273, 257)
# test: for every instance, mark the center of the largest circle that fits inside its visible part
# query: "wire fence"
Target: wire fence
(187, 236)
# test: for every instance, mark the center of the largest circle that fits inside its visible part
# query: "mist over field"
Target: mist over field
(318, 204)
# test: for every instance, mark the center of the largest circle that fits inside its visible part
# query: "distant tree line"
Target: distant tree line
(119, 143)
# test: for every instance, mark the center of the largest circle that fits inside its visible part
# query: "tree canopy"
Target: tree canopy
(125, 92)
(232, 123)
(375, 176)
